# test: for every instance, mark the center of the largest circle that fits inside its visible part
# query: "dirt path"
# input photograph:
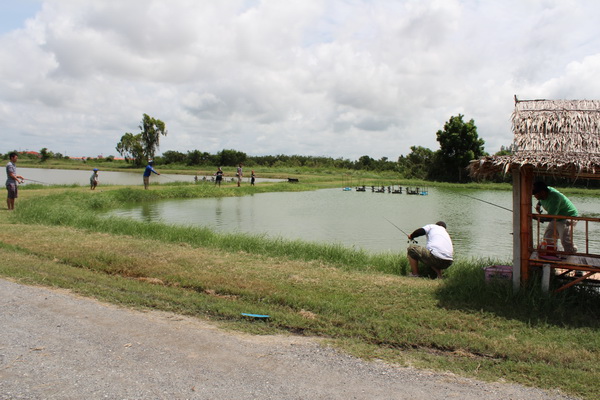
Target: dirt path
(54, 345)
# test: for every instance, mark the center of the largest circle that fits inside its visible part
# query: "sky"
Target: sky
(335, 78)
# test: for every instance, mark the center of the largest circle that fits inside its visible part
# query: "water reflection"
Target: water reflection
(219, 212)
(353, 219)
(149, 213)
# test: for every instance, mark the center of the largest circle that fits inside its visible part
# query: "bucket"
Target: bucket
(502, 272)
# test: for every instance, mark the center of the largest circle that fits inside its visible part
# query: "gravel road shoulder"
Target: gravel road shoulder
(55, 345)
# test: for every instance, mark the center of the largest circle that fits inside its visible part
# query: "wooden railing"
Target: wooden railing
(586, 260)
(586, 220)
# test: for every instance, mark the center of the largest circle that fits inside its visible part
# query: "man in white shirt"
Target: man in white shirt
(437, 253)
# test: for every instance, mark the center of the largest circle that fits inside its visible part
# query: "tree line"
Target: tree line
(459, 144)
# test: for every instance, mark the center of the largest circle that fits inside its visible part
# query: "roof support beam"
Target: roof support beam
(516, 206)
(522, 226)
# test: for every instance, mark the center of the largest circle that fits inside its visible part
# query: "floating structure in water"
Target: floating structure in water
(417, 191)
(390, 189)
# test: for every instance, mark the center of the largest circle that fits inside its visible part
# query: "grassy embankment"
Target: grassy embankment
(358, 301)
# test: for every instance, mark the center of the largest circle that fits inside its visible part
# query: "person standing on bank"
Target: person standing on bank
(437, 253)
(12, 179)
(219, 176)
(252, 178)
(239, 174)
(149, 170)
(556, 203)
(94, 179)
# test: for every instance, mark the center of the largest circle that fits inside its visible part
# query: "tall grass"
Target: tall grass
(81, 210)
(466, 288)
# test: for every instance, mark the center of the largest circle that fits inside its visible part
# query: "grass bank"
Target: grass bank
(361, 302)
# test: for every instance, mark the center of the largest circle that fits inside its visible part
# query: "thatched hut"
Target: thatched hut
(551, 138)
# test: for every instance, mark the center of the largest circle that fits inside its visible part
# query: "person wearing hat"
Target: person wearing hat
(94, 179)
(438, 252)
(149, 170)
(556, 203)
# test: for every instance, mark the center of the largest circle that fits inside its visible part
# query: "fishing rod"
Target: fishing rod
(33, 180)
(168, 177)
(475, 198)
(397, 227)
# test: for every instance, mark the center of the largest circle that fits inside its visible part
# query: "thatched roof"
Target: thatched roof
(553, 136)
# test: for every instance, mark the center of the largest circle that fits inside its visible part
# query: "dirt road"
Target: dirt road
(54, 345)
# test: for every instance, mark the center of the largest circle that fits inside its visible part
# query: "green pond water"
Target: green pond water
(358, 219)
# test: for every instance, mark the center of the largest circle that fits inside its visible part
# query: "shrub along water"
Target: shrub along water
(357, 298)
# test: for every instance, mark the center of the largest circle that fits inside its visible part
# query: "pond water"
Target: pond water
(70, 177)
(353, 219)
(358, 219)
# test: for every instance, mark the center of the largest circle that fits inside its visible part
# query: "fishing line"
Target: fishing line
(396, 226)
(168, 177)
(475, 198)
(33, 180)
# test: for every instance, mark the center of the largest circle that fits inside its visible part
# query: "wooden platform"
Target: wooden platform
(570, 269)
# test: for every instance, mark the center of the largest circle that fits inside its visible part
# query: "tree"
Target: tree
(417, 163)
(459, 144)
(45, 154)
(231, 158)
(364, 162)
(151, 130)
(197, 157)
(173, 157)
(505, 150)
(131, 148)
(141, 147)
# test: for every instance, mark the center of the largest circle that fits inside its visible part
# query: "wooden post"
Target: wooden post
(526, 227)
(516, 206)
(546, 277)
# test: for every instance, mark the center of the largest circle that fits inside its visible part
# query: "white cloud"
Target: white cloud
(336, 78)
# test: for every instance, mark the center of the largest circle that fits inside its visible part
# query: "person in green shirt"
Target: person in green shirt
(556, 203)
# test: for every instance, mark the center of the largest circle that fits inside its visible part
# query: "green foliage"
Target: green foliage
(417, 164)
(172, 157)
(459, 144)
(364, 162)
(141, 147)
(505, 151)
(231, 158)
(45, 154)
(151, 129)
(197, 157)
(465, 288)
(131, 148)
